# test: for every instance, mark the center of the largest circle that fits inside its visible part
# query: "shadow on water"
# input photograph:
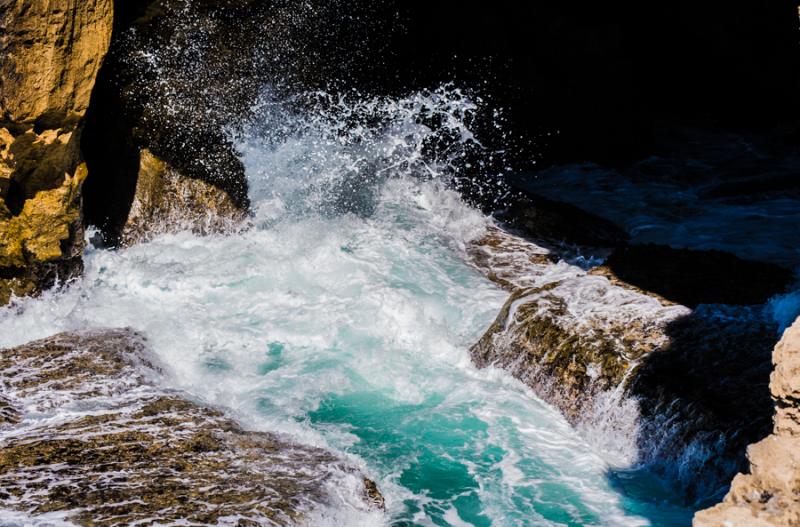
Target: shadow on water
(703, 400)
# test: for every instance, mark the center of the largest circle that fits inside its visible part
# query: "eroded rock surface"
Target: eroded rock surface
(180, 77)
(86, 435)
(166, 201)
(52, 52)
(769, 495)
(661, 379)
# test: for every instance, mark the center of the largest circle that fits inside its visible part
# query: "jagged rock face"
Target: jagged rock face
(179, 78)
(566, 355)
(166, 201)
(52, 52)
(182, 79)
(85, 434)
(663, 379)
(769, 496)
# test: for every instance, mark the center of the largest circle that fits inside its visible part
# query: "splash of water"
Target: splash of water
(343, 317)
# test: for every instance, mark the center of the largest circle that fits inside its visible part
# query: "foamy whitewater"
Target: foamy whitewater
(343, 316)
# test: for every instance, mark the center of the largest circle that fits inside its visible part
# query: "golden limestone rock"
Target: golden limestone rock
(166, 201)
(769, 496)
(52, 51)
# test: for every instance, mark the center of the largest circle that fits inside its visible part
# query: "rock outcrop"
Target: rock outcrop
(769, 495)
(166, 201)
(52, 52)
(86, 435)
(148, 139)
(179, 79)
(607, 354)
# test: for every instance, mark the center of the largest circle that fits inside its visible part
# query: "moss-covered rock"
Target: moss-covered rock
(117, 450)
(569, 352)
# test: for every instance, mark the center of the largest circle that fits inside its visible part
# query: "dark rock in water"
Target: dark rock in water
(556, 222)
(692, 277)
(682, 390)
(116, 450)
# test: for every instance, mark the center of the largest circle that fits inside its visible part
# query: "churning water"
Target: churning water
(343, 317)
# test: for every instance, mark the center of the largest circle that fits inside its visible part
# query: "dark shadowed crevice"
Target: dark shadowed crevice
(15, 197)
(691, 277)
(111, 158)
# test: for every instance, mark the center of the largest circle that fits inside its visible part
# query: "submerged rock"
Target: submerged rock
(769, 495)
(92, 439)
(52, 52)
(657, 380)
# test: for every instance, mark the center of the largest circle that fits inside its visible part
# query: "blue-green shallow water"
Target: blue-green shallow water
(350, 330)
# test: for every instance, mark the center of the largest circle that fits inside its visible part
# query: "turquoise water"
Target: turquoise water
(343, 318)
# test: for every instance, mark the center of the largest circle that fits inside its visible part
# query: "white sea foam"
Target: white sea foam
(343, 317)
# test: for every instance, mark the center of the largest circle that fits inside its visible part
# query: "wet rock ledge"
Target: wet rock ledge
(86, 436)
(681, 388)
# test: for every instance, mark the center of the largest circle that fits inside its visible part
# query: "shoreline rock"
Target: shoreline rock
(769, 495)
(85, 413)
(166, 201)
(157, 140)
(660, 378)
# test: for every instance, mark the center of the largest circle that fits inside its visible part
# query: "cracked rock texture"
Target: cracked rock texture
(606, 353)
(769, 496)
(52, 51)
(88, 436)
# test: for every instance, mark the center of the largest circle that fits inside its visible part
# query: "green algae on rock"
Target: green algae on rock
(567, 357)
(139, 454)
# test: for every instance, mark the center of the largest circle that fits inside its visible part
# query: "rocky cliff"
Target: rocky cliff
(179, 78)
(51, 54)
(148, 140)
(769, 495)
